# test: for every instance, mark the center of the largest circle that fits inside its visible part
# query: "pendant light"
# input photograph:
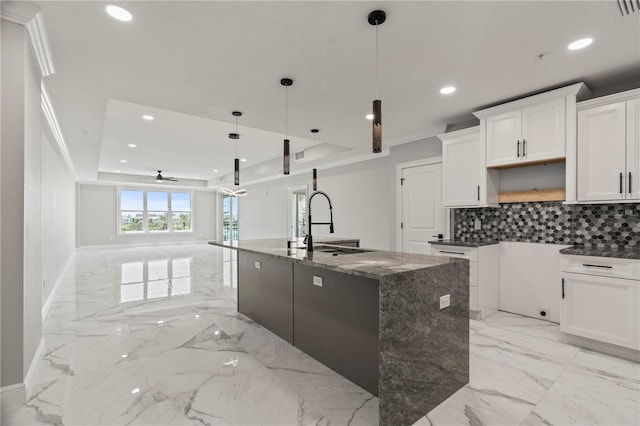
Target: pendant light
(377, 18)
(236, 164)
(286, 162)
(315, 171)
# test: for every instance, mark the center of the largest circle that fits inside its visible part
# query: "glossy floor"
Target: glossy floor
(150, 335)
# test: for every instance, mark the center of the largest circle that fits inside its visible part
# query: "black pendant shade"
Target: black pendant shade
(315, 179)
(286, 164)
(236, 163)
(377, 126)
(236, 171)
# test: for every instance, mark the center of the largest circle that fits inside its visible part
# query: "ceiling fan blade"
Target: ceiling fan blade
(170, 179)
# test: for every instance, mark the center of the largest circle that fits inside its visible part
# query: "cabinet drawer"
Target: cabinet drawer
(473, 298)
(470, 253)
(602, 266)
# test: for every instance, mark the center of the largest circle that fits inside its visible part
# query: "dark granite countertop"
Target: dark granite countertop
(464, 243)
(372, 264)
(621, 253)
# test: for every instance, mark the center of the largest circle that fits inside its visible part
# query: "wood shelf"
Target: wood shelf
(555, 194)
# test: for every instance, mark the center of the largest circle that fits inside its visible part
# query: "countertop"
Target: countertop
(372, 264)
(625, 253)
(464, 243)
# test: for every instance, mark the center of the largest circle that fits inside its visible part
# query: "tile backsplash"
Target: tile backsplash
(593, 225)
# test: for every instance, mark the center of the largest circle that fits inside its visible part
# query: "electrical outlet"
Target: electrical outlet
(477, 225)
(317, 281)
(257, 265)
(445, 301)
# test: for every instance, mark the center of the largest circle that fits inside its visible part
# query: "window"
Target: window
(154, 211)
(229, 218)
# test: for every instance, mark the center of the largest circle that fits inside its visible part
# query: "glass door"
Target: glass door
(229, 218)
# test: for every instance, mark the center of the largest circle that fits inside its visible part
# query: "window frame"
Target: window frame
(145, 212)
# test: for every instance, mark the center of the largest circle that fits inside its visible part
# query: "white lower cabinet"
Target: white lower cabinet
(484, 281)
(598, 305)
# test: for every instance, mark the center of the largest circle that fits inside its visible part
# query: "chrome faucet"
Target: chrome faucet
(308, 239)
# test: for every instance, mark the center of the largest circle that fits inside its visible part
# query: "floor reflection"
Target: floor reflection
(154, 279)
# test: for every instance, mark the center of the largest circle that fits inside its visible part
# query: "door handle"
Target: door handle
(524, 147)
(621, 182)
(478, 192)
(589, 265)
(629, 182)
(452, 252)
(563, 288)
(518, 148)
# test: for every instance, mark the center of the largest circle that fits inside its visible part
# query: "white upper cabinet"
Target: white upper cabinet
(532, 134)
(465, 179)
(608, 152)
(530, 130)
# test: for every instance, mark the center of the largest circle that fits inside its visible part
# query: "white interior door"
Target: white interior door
(422, 213)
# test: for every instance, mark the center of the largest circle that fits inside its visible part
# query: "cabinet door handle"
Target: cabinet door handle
(589, 265)
(621, 182)
(452, 252)
(478, 192)
(524, 147)
(563, 288)
(629, 182)
(518, 148)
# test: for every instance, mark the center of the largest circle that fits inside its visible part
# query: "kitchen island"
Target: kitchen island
(372, 316)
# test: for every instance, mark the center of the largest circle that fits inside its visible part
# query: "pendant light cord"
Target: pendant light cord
(377, 78)
(286, 112)
(238, 140)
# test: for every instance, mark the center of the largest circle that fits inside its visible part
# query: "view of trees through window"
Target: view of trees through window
(149, 211)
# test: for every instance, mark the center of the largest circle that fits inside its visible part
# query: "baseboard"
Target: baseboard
(49, 302)
(166, 243)
(34, 364)
(602, 347)
(12, 396)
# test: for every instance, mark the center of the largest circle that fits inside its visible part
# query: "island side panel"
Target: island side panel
(337, 324)
(424, 351)
(265, 292)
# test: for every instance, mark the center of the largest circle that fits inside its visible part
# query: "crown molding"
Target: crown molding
(18, 12)
(39, 42)
(52, 121)
(609, 99)
(579, 90)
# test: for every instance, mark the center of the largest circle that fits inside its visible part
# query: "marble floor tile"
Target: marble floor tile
(129, 340)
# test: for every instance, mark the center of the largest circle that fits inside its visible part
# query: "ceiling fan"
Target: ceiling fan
(159, 178)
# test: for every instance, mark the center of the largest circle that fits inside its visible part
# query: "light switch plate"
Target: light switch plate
(445, 301)
(257, 264)
(317, 281)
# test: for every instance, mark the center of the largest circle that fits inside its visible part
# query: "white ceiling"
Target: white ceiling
(191, 64)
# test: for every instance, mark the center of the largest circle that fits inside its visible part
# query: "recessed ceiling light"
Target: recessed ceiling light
(148, 117)
(196, 177)
(123, 161)
(215, 170)
(119, 13)
(369, 116)
(132, 145)
(161, 322)
(447, 90)
(136, 390)
(243, 159)
(118, 171)
(579, 44)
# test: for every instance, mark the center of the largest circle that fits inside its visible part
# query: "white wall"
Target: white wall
(32, 213)
(97, 218)
(12, 226)
(58, 211)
